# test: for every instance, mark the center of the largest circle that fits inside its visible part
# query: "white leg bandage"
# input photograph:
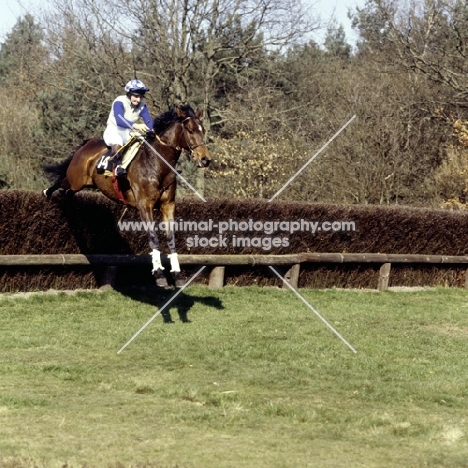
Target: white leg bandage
(175, 267)
(156, 258)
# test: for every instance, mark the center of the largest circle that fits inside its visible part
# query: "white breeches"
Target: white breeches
(114, 135)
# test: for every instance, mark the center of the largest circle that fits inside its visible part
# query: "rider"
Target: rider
(126, 111)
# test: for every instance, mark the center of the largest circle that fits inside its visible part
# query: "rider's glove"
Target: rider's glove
(140, 128)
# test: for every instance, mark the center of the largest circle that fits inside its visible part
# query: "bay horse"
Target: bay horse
(151, 177)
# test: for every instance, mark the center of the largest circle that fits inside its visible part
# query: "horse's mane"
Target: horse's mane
(166, 119)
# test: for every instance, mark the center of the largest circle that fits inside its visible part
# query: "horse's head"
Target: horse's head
(193, 139)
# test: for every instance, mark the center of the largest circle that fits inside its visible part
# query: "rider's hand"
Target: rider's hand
(141, 128)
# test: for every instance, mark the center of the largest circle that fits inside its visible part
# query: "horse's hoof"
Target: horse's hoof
(179, 280)
(161, 281)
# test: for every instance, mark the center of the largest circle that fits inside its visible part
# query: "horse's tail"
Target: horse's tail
(57, 172)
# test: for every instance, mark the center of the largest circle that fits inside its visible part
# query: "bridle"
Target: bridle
(191, 147)
(187, 140)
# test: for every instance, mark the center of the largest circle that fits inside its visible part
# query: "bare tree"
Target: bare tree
(429, 37)
(183, 45)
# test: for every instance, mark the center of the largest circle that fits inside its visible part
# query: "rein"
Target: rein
(177, 148)
(191, 147)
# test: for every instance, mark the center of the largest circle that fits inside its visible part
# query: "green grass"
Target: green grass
(254, 380)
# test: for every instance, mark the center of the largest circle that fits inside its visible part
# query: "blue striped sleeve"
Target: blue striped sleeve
(145, 115)
(119, 111)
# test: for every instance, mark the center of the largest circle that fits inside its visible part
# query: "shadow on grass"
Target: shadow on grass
(92, 222)
(159, 297)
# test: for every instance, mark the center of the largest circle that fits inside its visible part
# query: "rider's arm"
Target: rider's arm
(145, 115)
(119, 111)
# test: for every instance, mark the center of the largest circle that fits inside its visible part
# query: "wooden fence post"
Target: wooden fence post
(291, 261)
(292, 276)
(384, 276)
(109, 278)
(216, 279)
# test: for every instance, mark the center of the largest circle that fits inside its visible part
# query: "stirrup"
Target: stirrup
(120, 171)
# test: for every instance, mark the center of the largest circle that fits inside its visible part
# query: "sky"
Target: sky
(11, 10)
(337, 9)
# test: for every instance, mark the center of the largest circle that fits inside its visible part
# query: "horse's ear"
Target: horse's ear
(199, 113)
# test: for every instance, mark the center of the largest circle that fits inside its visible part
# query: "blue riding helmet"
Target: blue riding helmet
(136, 86)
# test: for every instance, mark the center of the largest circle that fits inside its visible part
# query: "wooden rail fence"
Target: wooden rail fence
(219, 262)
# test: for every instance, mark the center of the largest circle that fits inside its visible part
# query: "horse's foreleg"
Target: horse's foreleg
(146, 214)
(167, 212)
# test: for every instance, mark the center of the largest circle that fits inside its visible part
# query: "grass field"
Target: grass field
(254, 380)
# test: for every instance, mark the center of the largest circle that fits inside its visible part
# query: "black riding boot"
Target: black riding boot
(119, 171)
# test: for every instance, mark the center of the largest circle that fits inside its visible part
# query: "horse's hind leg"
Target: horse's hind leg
(63, 184)
(49, 191)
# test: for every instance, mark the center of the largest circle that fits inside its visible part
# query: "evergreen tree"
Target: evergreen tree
(335, 43)
(22, 52)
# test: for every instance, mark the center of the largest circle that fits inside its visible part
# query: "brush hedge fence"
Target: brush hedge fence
(89, 224)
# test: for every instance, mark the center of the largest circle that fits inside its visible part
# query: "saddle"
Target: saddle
(128, 151)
